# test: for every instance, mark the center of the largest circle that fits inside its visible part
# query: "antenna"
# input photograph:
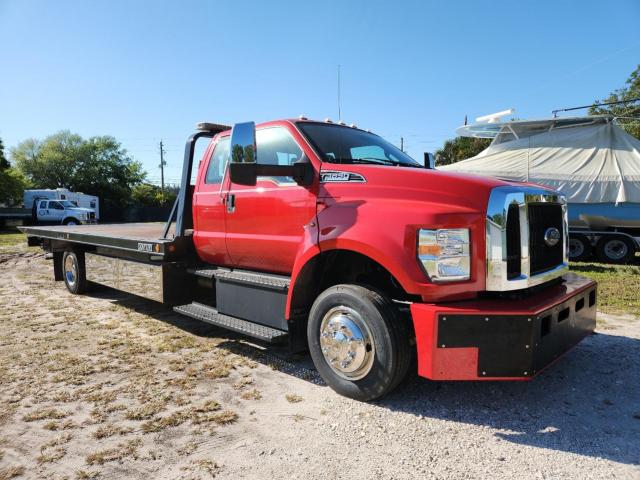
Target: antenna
(339, 111)
(495, 117)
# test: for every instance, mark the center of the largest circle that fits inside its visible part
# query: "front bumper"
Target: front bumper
(503, 339)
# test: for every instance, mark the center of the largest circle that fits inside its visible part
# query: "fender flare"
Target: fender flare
(313, 253)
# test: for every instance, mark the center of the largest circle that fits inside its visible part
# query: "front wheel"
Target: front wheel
(73, 270)
(358, 341)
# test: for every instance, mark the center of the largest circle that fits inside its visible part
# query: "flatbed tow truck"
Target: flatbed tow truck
(329, 238)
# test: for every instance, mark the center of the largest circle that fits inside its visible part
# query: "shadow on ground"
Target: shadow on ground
(588, 403)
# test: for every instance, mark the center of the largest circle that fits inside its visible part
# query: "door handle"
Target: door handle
(231, 203)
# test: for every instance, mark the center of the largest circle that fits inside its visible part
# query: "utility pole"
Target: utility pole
(162, 164)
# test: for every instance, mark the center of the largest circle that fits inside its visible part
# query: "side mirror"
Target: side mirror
(429, 161)
(243, 168)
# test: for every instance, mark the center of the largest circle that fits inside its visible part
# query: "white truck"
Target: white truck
(53, 207)
(81, 200)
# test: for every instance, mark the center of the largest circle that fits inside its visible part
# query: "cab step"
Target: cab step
(259, 279)
(210, 315)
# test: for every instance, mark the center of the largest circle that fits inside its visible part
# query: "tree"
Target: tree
(460, 148)
(97, 166)
(629, 110)
(12, 182)
(4, 163)
(149, 195)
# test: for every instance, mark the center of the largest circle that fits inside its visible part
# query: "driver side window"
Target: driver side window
(218, 162)
(56, 206)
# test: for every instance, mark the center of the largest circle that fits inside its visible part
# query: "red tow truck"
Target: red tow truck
(330, 238)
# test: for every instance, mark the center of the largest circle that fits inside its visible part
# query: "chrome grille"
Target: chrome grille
(517, 218)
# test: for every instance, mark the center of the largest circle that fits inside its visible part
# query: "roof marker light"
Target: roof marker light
(328, 120)
(341, 123)
(353, 125)
(303, 117)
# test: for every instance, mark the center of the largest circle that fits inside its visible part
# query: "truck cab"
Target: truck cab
(331, 238)
(62, 212)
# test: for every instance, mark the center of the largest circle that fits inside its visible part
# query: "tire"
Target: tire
(74, 272)
(579, 247)
(71, 221)
(383, 354)
(615, 249)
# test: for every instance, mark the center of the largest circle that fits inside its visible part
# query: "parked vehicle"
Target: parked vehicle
(79, 199)
(52, 206)
(591, 160)
(334, 240)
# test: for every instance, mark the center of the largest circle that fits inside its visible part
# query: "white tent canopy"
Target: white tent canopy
(590, 160)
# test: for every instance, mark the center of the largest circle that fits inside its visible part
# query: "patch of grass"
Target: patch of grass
(618, 286)
(64, 425)
(122, 450)
(87, 475)
(207, 466)
(109, 430)
(225, 417)
(11, 472)
(253, 394)
(173, 420)
(12, 238)
(293, 398)
(144, 412)
(44, 414)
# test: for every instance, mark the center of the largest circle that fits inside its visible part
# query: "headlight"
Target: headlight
(444, 254)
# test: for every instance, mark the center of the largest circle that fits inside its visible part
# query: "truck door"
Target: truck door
(208, 205)
(265, 223)
(53, 213)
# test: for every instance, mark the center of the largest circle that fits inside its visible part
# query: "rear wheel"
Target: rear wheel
(358, 342)
(73, 270)
(71, 221)
(615, 249)
(579, 247)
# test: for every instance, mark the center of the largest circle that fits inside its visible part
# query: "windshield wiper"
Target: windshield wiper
(376, 161)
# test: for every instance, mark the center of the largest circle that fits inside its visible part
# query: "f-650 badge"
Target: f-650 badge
(335, 177)
(145, 247)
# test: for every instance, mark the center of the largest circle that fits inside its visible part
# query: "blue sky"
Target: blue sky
(144, 71)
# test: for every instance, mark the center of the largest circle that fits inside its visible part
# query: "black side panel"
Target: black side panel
(259, 303)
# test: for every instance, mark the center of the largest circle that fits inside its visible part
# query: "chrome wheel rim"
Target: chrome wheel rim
(72, 222)
(616, 249)
(576, 248)
(346, 343)
(70, 271)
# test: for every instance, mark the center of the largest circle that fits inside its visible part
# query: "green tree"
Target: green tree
(12, 182)
(4, 163)
(149, 195)
(460, 148)
(628, 113)
(97, 166)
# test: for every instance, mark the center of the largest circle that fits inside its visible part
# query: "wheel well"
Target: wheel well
(332, 268)
(69, 219)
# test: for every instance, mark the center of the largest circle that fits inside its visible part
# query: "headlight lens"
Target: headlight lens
(444, 254)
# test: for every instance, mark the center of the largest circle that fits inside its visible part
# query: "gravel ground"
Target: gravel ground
(113, 386)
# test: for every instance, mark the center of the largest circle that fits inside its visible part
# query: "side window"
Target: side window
(276, 146)
(56, 206)
(43, 204)
(218, 162)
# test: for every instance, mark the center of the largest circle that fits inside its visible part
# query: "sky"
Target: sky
(145, 71)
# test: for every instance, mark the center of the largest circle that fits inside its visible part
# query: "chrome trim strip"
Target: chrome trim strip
(496, 237)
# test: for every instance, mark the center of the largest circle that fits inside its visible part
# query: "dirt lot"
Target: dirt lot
(112, 386)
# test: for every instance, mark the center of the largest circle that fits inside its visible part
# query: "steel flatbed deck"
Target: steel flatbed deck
(125, 238)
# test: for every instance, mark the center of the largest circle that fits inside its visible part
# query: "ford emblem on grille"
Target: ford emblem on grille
(551, 236)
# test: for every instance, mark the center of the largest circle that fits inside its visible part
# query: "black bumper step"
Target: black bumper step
(210, 315)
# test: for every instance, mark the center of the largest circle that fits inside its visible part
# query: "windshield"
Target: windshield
(338, 144)
(67, 204)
